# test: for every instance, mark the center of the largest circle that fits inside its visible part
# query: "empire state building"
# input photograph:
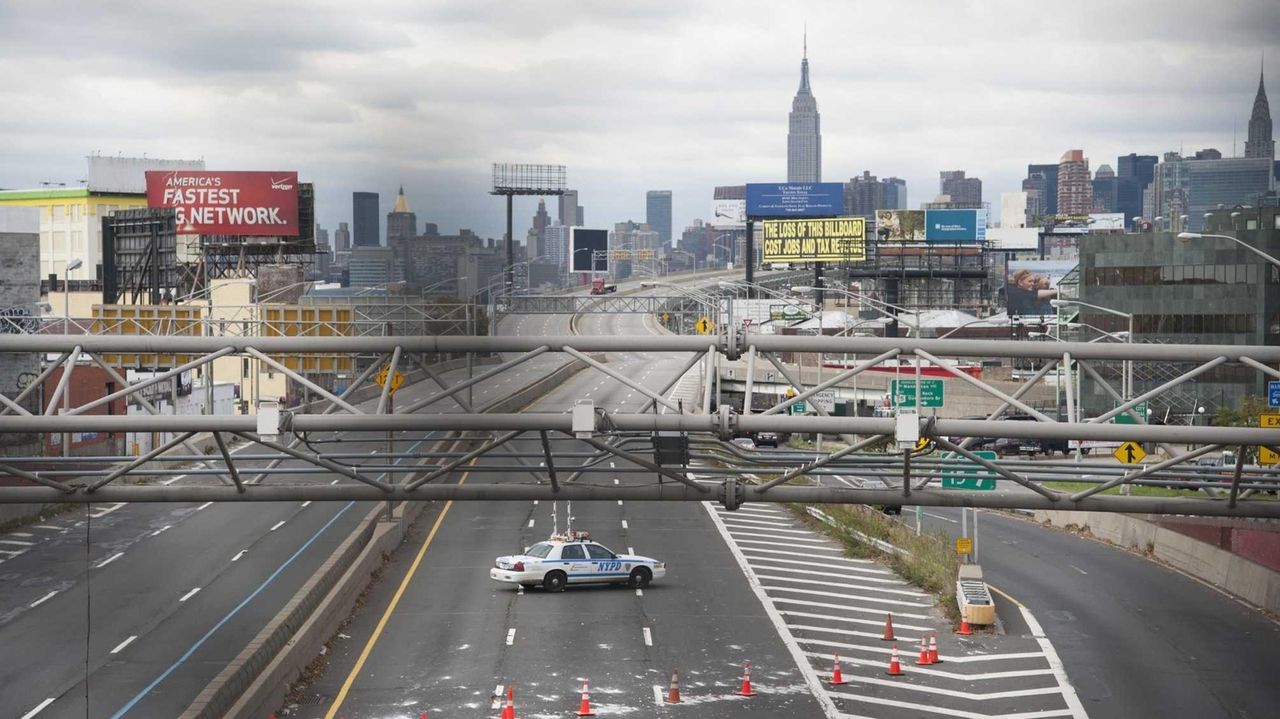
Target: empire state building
(804, 133)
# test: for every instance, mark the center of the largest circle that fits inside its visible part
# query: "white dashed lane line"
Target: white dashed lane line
(276, 526)
(120, 647)
(108, 560)
(511, 636)
(39, 708)
(43, 599)
(648, 637)
(189, 595)
(239, 554)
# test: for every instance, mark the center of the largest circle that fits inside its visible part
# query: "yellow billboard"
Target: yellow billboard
(811, 240)
(147, 321)
(308, 321)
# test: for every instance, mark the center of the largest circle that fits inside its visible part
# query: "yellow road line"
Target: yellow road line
(1003, 594)
(395, 600)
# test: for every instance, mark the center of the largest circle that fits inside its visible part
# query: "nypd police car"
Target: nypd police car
(574, 559)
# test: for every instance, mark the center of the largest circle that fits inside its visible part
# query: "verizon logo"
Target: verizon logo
(281, 184)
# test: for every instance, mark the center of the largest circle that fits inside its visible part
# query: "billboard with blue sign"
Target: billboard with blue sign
(795, 199)
(955, 225)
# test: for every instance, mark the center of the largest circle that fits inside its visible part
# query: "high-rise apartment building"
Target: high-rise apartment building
(804, 132)
(1259, 144)
(1075, 191)
(402, 223)
(364, 219)
(964, 191)
(863, 195)
(657, 214)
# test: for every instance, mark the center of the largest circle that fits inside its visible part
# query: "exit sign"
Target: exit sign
(904, 392)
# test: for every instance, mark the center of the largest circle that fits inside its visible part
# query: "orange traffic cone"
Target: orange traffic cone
(584, 707)
(746, 681)
(895, 669)
(836, 677)
(888, 628)
(509, 711)
(933, 648)
(673, 691)
(924, 652)
(964, 628)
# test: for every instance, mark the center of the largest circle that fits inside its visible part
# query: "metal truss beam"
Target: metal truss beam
(718, 424)
(461, 344)
(666, 492)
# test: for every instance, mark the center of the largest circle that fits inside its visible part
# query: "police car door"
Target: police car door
(604, 562)
(574, 561)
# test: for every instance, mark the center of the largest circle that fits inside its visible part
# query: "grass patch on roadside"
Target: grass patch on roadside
(926, 561)
(1137, 490)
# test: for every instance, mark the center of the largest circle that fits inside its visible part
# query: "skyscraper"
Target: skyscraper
(1133, 177)
(863, 195)
(1105, 189)
(541, 220)
(1044, 179)
(342, 238)
(1260, 143)
(402, 223)
(1075, 191)
(364, 216)
(964, 191)
(657, 214)
(571, 213)
(895, 194)
(804, 133)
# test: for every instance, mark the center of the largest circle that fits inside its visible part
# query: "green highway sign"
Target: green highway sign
(798, 408)
(904, 392)
(967, 474)
(1124, 417)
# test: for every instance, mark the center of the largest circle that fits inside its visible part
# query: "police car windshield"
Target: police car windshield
(539, 550)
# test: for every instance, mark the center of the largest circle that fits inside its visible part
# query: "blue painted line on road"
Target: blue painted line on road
(267, 582)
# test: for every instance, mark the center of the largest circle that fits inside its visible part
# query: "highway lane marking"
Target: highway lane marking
(276, 526)
(306, 503)
(868, 622)
(879, 648)
(657, 696)
(108, 560)
(120, 647)
(775, 539)
(930, 709)
(43, 599)
(221, 622)
(164, 528)
(631, 550)
(954, 693)
(754, 528)
(979, 676)
(839, 595)
(239, 554)
(17, 542)
(171, 480)
(619, 502)
(829, 574)
(395, 601)
(188, 595)
(20, 534)
(333, 482)
(648, 637)
(844, 608)
(615, 481)
(828, 583)
(511, 636)
(206, 505)
(639, 592)
(808, 555)
(811, 679)
(754, 522)
(624, 524)
(1077, 569)
(1055, 663)
(939, 516)
(39, 708)
(530, 522)
(49, 526)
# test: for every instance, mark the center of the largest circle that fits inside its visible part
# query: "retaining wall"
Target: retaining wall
(1238, 575)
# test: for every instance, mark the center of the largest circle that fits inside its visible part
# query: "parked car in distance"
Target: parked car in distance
(766, 439)
(744, 442)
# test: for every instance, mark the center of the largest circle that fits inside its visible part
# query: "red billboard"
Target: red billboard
(228, 203)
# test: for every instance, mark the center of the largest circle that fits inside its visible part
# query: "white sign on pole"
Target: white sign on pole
(826, 399)
(727, 214)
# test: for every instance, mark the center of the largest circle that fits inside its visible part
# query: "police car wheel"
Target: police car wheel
(639, 578)
(554, 581)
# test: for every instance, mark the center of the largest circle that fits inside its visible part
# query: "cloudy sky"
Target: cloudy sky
(631, 96)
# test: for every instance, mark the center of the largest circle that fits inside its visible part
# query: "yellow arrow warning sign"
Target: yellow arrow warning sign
(1130, 453)
(704, 326)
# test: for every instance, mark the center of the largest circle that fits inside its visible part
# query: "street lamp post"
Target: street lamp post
(72, 264)
(1185, 236)
(1127, 380)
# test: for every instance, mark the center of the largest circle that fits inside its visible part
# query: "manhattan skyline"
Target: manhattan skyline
(430, 97)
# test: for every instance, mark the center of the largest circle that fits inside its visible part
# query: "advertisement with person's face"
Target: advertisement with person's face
(1031, 284)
